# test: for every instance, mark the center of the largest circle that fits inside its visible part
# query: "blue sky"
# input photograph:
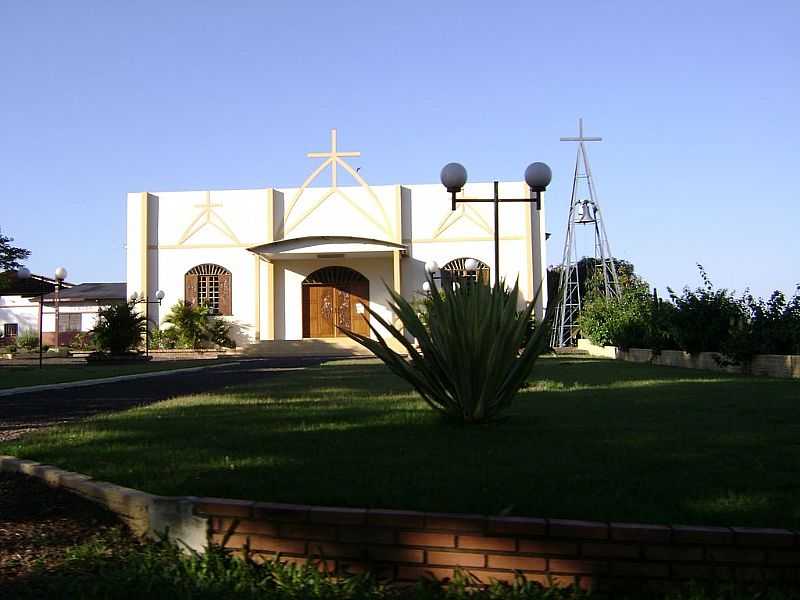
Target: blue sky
(697, 102)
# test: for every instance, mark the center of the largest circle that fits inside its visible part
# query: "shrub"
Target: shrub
(767, 327)
(194, 327)
(119, 328)
(164, 339)
(468, 366)
(189, 322)
(28, 340)
(82, 341)
(632, 319)
(704, 318)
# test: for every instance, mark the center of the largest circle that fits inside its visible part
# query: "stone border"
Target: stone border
(407, 545)
(769, 365)
(100, 380)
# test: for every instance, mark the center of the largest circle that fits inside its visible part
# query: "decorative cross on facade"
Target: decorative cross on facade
(208, 216)
(334, 157)
(375, 214)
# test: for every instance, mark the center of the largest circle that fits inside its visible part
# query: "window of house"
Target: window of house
(69, 322)
(10, 330)
(209, 285)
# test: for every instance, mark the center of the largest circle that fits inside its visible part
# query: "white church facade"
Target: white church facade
(293, 263)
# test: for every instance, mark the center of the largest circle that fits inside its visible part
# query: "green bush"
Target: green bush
(632, 319)
(194, 327)
(28, 340)
(119, 328)
(767, 327)
(82, 341)
(468, 365)
(705, 318)
(164, 339)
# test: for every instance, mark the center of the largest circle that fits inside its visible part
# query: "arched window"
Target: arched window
(455, 271)
(209, 285)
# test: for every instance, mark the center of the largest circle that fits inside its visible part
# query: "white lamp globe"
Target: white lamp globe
(426, 287)
(431, 266)
(160, 295)
(453, 176)
(23, 273)
(61, 273)
(538, 176)
(471, 264)
(134, 296)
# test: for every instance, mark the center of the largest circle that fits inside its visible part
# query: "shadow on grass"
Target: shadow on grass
(602, 441)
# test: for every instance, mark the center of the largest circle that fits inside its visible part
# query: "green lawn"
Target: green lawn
(590, 439)
(12, 376)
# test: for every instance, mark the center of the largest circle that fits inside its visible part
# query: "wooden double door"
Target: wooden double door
(334, 298)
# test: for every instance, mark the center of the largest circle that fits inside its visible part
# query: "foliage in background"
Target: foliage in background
(704, 317)
(10, 258)
(468, 365)
(192, 326)
(634, 318)
(110, 566)
(768, 327)
(119, 328)
(587, 269)
(82, 341)
(28, 340)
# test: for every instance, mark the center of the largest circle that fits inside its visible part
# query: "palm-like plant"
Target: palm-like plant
(119, 328)
(190, 322)
(468, 364)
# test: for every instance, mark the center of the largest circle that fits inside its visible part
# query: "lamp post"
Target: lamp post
(25, 274)
(60, 275)
(537, 176)
(142, 299)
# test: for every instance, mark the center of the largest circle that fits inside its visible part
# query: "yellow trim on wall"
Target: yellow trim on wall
(270, 267)
(257, 285)
(144, 241)
(504, 238)
(529, 243)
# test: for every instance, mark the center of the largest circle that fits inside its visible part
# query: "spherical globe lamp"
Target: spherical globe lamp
(134, 297)
(426, 287)
(61, 273)
(160, 295)
(471, 264)
(453, 176)
(538, 176)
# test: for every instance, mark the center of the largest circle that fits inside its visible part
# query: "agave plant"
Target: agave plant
(471, 355)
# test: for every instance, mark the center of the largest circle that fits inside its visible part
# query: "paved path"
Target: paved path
(27, 411)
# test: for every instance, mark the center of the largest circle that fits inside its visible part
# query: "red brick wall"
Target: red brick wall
(408, 545)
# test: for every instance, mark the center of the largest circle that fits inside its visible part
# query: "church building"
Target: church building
(293, 263)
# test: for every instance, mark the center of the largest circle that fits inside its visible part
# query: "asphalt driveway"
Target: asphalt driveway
(23, 412)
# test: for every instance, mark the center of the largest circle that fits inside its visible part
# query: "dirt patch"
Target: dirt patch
(38, 523)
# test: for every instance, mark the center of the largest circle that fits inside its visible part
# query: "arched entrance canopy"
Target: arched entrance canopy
(326, 246)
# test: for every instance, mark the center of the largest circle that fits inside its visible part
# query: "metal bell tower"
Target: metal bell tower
(584, 210)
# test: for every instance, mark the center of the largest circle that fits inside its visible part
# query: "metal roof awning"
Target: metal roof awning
(326, 246)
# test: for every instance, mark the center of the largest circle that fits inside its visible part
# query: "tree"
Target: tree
(195, 327)
(10, 257)
(119, 328)
(588, 266)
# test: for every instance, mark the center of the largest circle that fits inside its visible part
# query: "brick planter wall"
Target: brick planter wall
(406, 545)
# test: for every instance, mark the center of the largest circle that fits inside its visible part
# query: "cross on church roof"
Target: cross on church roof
(334, 157)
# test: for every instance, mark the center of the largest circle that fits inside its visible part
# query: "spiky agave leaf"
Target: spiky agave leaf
(467, 363)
